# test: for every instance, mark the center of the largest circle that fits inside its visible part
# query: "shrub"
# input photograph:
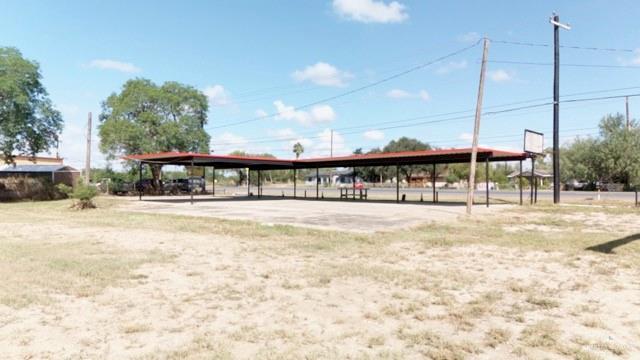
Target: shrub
(83, 194)
(27, 188)
(65, 189)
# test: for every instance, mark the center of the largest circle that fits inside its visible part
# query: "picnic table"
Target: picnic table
(344, 192)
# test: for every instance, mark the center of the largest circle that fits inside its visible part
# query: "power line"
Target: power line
(369, 125)
(604, 66)
(591, 48)
(358, 89)
(449, 119)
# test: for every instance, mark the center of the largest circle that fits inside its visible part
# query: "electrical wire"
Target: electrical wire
(590, 48)
(358, 89)
(369, 125)
(494, 113)
(418, 123)
(603, 66)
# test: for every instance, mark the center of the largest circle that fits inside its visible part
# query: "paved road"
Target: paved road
(443, 193)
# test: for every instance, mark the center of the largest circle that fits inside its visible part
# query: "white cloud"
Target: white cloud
(316, 146)
(373, 135)
(323, 74)
(323, 113)
(469, 37)
(635, 60)
(317, 114)
(261, 113)
(452, 66)
(73, 140)
(218, 95)
(227, 140)
(466, 137)
(109, 64)
(403, 94)
(398, 94)
(288, 138)
(424, 95)
(68, 111)
(500, 75)
(322, 147)
(371, 11)
(286, 133)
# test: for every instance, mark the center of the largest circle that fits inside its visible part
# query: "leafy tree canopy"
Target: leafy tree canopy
(28, 122)
(145, 117)
(408, 144)
(612, 157)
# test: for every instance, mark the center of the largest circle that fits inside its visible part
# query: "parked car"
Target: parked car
(119, 187)
(184, 185)
(145, 186)
(576, 185)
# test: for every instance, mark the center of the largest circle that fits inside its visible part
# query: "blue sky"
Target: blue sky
(257, 57)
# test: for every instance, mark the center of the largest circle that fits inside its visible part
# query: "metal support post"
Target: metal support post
(397, 183)
(294, 183)
(191, 183)
(520, 180)
(532, 178)
(433, 182)
(486, 180)
(259, 184)
(317, 183)
(140, 189)
(353, 183)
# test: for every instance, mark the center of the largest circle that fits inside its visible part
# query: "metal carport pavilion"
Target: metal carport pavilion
(397, 159)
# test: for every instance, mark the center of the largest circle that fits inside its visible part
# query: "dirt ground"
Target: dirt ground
(358, 216)
(118, 283)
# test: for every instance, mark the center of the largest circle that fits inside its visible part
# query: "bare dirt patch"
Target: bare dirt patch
(228, 290)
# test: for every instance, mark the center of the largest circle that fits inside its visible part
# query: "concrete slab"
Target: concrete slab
(356, 216)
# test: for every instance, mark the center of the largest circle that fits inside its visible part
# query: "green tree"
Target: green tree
(407, 144)
(28, 122)
(370, 173)
(614, 156)
(298, 149)
(147, 118)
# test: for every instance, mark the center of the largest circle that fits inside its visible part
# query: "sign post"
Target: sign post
(534, 146)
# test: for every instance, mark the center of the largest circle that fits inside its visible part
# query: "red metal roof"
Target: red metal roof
(418, 153)
(393, 158)
(174, 154)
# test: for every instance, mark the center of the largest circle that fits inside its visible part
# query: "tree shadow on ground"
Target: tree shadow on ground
(610, 246)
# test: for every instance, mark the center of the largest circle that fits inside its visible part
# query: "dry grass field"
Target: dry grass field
(530, 283)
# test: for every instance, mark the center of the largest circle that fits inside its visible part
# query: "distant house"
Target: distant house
(57, 174)
(35, 160)
(540, 176)
(331, 177)
(424, 179)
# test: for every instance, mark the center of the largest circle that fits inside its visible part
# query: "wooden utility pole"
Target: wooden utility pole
(556, 111)
(555, 21)
(476, 127)
(626, 105)
(87, 161)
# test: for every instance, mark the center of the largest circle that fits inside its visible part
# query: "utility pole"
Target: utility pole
(555, 21)
(476, 127)
(626, 105)
(87, 162)
(331, 142)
